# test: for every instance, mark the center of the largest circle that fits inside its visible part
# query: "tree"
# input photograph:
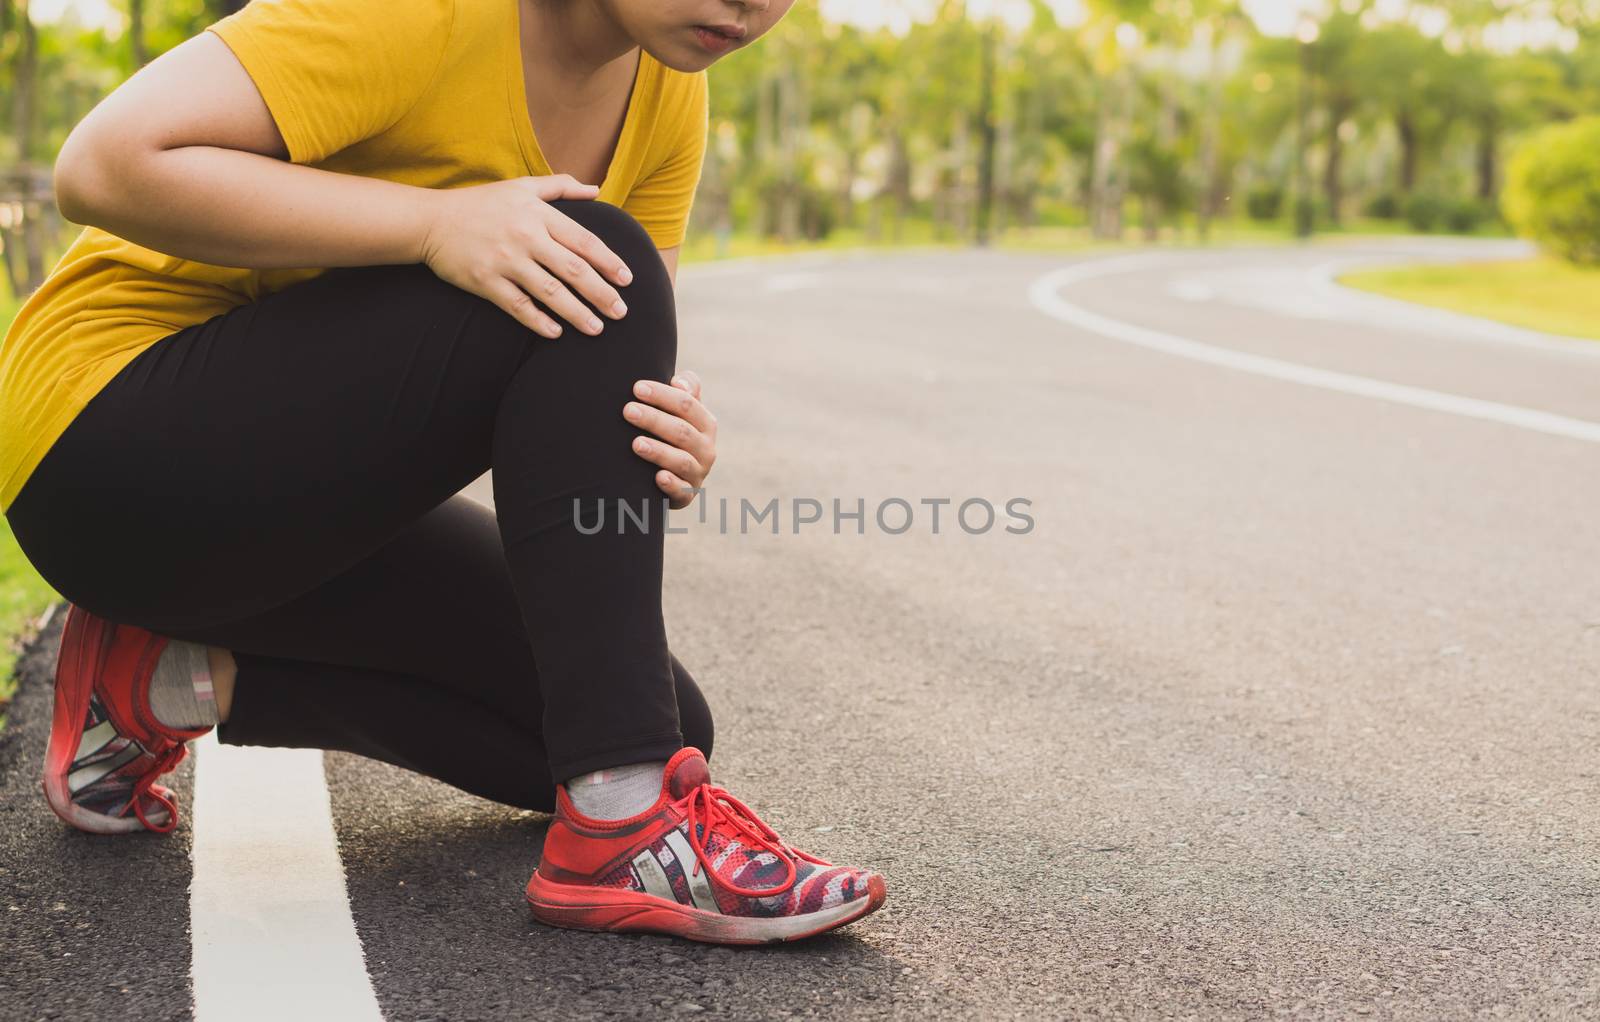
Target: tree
(24, 186)
(1409, 75)
(136, 43)
(1342, 93)
(1220, 22)
(987, 130)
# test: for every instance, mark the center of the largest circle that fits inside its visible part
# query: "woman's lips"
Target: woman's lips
(714, 41)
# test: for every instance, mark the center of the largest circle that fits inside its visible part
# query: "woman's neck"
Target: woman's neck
(575, 41)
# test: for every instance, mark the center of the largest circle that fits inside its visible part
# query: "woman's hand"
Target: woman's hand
(505, 242)
(687, 447)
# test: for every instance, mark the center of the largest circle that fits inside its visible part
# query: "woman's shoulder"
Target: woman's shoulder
(389, 18)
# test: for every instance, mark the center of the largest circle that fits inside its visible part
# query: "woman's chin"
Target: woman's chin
(686, 57)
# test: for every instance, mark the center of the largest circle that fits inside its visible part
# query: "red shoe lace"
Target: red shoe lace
(708, 805)
(143, 789)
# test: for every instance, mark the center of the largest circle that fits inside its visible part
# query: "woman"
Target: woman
(339, 264)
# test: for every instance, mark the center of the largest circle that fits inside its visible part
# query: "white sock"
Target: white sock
(180, 689)
(617, 793)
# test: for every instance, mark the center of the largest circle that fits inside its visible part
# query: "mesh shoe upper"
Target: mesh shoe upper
(107, 749)
(109, 766)
(698, 846)
(817, 885)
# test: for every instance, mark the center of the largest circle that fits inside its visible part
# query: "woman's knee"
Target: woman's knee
(649, 293)
(644, 342)
(622, 234)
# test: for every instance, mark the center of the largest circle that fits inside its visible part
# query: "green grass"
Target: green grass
(23, 594)
(1541, 294)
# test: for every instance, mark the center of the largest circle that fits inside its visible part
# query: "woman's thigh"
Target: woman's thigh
(417, 656)
(243, 461)
(434, 603)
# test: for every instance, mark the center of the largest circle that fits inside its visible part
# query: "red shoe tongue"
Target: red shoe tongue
(687, 771)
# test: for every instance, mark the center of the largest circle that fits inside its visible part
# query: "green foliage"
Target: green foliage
(1430, 212)
(1425, 212)
(1155, 174)
(1463, 216)
(23, 595)
(1383, 206)
(1553, 193)
(1264, 202)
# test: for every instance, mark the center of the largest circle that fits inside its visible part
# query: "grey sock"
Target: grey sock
(617, 793)
(180, 690)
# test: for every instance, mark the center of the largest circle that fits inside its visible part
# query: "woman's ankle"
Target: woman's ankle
(223, 673)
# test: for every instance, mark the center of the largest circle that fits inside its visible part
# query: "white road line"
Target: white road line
(1046, 297)
(272, 933)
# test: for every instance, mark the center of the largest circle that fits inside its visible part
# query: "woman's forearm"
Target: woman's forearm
(234, 208)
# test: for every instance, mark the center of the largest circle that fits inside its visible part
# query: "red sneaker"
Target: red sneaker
(106, 747)
(698, 864)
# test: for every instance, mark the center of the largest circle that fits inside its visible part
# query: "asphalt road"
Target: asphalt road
(1287, 704)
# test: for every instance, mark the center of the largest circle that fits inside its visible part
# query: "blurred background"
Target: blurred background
(1035, 122)
(972, 120)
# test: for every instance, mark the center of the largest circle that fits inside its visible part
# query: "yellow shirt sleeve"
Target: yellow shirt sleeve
(662, 201)
(335, 72)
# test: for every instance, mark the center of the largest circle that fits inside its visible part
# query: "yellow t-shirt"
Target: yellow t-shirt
(424, 92)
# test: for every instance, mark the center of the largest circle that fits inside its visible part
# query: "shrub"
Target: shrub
(1553, 190)
(1264, 202)
(1463, 216)
(1425, 212)
(1384, 207)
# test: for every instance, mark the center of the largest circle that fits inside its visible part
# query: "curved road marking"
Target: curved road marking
(272, 933)
(1046, 297)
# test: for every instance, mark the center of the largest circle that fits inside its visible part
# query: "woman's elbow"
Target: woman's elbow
(88, 172)
(75, 179)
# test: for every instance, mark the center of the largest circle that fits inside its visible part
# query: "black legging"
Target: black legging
(282, 481)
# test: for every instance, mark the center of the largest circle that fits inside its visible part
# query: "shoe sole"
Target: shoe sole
(575, 907)
(83, 643)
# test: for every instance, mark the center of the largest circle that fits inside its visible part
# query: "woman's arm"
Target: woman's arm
(185, 158)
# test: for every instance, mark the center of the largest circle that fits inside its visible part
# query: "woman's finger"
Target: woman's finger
(682, 493)
(675, 431)
(593, 255)
(688, 379)
(676, 402)
(674, 459)
(562, 186)
(538, 282)
(515, 301)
